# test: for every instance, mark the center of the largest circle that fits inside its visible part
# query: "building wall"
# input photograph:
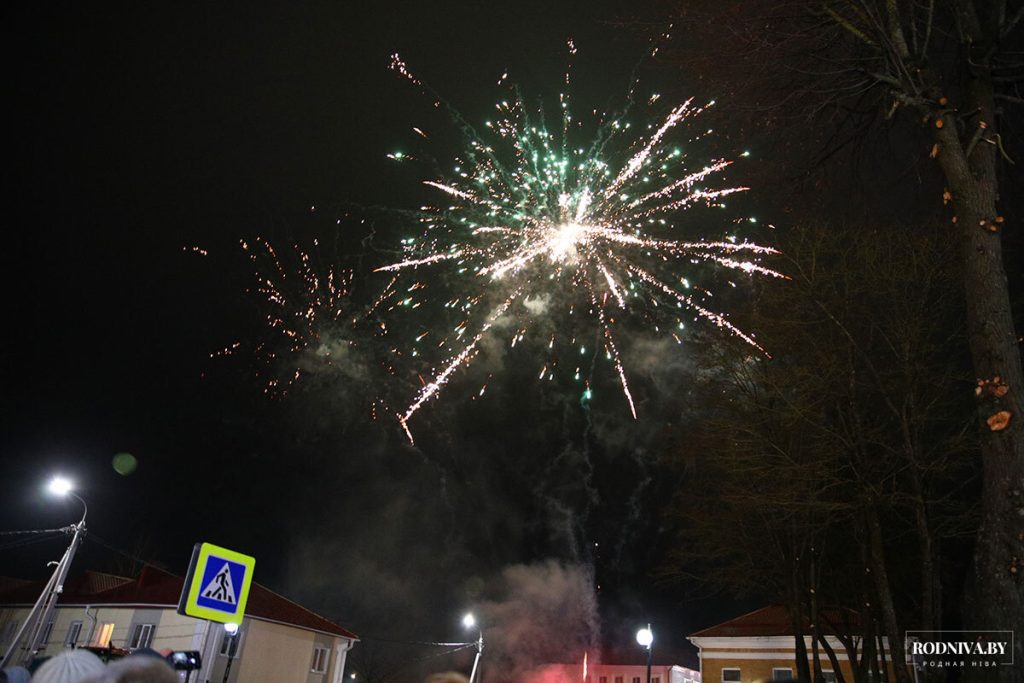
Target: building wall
(341, 648)
(171, 631)
(761, 670)
(11, 619)
(275, 653)
(325, 641)
(611, 673)
(659, 674)
(267, 652)
(757, 657)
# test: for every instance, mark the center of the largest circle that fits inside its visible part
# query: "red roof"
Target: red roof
(97, 582)
(156, 587)
(774, 620)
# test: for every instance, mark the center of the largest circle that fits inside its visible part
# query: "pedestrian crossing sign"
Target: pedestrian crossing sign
(217, 584)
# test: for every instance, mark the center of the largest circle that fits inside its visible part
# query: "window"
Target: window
(142, 636)
(44, 636)
(618, 679)
(828, 676)
(656, 679)
(730, 675)
(74, 631)
(103, 635)
(321, 655)
(602, 679)
(636, 679)
(229, 644)
(782, 674)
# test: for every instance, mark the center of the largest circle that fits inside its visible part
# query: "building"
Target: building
(614, 673)
(278, 641)
(760, 646)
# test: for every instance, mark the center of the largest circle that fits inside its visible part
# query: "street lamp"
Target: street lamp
(42, 610)
(645, 637)
(469, 621)
(59, 486)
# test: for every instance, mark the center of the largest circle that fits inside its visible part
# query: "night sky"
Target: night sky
(139, 130)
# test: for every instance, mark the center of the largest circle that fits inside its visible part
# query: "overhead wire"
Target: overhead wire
(20, 543)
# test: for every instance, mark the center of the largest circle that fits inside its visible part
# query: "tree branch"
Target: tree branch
(1011, 24)
(848, 26)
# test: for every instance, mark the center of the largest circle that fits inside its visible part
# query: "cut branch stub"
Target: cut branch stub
(994, 387)
(999, 421)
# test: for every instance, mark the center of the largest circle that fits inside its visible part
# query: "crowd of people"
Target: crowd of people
(82, 666)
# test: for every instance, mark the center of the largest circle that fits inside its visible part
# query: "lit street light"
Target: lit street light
(59, 486)
(645, 637)
(42, 610)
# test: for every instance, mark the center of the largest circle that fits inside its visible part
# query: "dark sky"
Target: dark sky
(136, 130)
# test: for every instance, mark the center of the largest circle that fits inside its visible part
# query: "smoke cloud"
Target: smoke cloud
(545, 612)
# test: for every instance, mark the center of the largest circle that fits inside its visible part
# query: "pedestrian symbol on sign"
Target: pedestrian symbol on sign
(221, 585)
(221, 588)
(217, 585)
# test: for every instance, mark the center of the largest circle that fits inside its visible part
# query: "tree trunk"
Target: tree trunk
(881, 661)
(928, 574)
(815, 626)
(929, 578)
(840, 678)
(797, 619)
(994, 592)
(803, 673)
(868, 660)
(885, 601)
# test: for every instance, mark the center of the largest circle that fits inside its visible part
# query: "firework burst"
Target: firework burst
(307, 311)
(531, 225)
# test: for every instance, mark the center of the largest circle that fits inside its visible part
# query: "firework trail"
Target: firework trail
(527, 220)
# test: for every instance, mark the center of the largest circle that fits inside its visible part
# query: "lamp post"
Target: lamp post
(469, 621)
(230, 630)
(42, 610)
(646, 639)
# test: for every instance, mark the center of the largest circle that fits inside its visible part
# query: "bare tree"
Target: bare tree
(853, 436)
(953, 68)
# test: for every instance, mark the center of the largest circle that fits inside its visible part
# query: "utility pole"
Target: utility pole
(42, 610)
(469, 621)
(476, 660)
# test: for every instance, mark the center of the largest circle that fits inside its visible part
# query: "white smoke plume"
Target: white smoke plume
(543, 613)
